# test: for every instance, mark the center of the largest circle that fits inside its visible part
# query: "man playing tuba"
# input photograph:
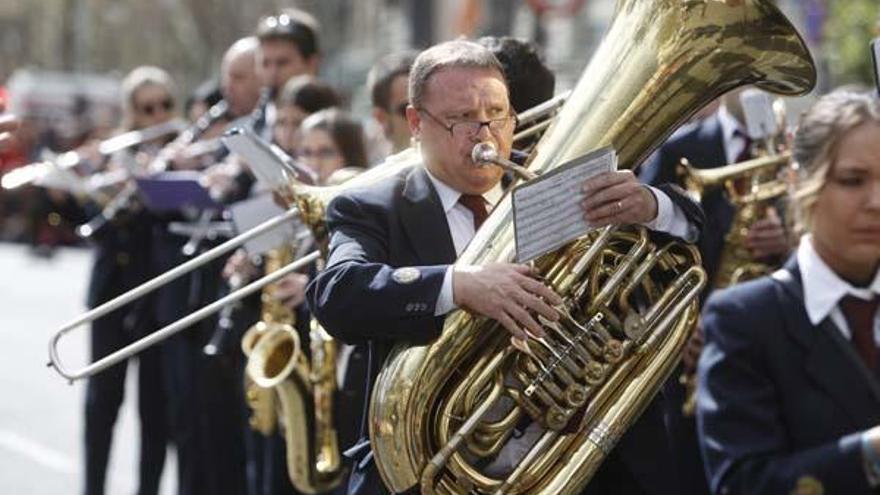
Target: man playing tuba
(390, 275)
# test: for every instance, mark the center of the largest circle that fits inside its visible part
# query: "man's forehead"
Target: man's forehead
(460, 84)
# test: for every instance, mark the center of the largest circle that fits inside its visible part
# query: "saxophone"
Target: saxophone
(304, 392)
(441, 413)
(274, 317)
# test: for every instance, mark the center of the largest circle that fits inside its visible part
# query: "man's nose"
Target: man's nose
(483, 133)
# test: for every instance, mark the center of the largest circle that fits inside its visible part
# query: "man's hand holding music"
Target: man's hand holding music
(505, 292)
(617, 198)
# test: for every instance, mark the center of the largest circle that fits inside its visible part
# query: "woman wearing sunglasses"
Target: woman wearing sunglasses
(123, 261)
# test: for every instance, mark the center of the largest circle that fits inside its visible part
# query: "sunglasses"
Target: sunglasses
(154, 106)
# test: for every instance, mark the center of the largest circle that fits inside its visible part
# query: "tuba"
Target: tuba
(441, 413)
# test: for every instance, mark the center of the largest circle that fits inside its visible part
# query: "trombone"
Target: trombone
(309, 202)
(160, 280)
(33, 173)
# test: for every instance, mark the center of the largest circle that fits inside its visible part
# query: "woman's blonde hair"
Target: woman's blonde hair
(139, 77)
(817, 141)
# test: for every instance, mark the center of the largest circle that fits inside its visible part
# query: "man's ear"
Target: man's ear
(414, 120)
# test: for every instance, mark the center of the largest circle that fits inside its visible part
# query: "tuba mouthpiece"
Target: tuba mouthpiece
(484, 154)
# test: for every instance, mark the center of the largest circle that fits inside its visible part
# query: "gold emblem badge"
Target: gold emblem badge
(808, 485)
(406, 275)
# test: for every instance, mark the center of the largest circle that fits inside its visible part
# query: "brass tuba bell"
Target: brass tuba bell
(440, 413)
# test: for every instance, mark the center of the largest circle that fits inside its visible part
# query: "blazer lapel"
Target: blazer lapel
(831, 362)
(424, 220)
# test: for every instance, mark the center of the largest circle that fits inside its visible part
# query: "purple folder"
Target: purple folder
(168, 191)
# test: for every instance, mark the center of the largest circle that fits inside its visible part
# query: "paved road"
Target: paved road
(40, 415)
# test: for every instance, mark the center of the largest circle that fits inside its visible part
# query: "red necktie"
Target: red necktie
(860, 315)
(477, 205)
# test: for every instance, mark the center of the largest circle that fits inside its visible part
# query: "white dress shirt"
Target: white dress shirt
(734, 142)
(670, 219)
(823, 290)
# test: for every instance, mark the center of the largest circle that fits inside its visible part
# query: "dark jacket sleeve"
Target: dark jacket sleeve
(356, 298)
(743, 436)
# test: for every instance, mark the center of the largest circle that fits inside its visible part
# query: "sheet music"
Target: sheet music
(249, 213)
(265, 161)
(546, 211)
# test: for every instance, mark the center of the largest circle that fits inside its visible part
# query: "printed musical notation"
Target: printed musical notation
(547, 212)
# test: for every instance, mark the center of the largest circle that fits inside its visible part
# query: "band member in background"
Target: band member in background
(203, 404)
(714, 141)
(424, 217)
(387, 83)
(301, 97)
(122, 261)
(789, 397)
(239, 81)
(331, 140)
(288, 48)
(530, 81)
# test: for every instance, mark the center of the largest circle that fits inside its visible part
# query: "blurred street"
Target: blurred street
(40, 414)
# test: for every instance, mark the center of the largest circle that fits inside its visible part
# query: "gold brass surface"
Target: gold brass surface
(304, 395)
(629, 303)
(751, 187)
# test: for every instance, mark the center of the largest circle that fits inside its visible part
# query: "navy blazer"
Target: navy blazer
(702, 143)
(782, 402)
(401, 223)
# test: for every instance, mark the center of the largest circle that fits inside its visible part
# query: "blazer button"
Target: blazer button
(122, 259)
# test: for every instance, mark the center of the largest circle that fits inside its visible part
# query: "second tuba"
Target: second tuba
(440, 414)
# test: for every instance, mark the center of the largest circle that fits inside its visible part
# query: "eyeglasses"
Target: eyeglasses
(318, 153)
(152, 107)
(470, 128)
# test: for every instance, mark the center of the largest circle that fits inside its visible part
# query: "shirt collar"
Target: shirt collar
(729, 124)
(823, 289)
(449, 196)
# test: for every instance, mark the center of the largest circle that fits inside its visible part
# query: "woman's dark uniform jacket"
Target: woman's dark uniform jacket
(362, 299)
(782, 402)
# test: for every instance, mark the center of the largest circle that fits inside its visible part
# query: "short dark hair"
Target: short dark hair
(294, 26)
(529, 80)
(347, 133)
(309, 93)
(446, 55)
(383, 74)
